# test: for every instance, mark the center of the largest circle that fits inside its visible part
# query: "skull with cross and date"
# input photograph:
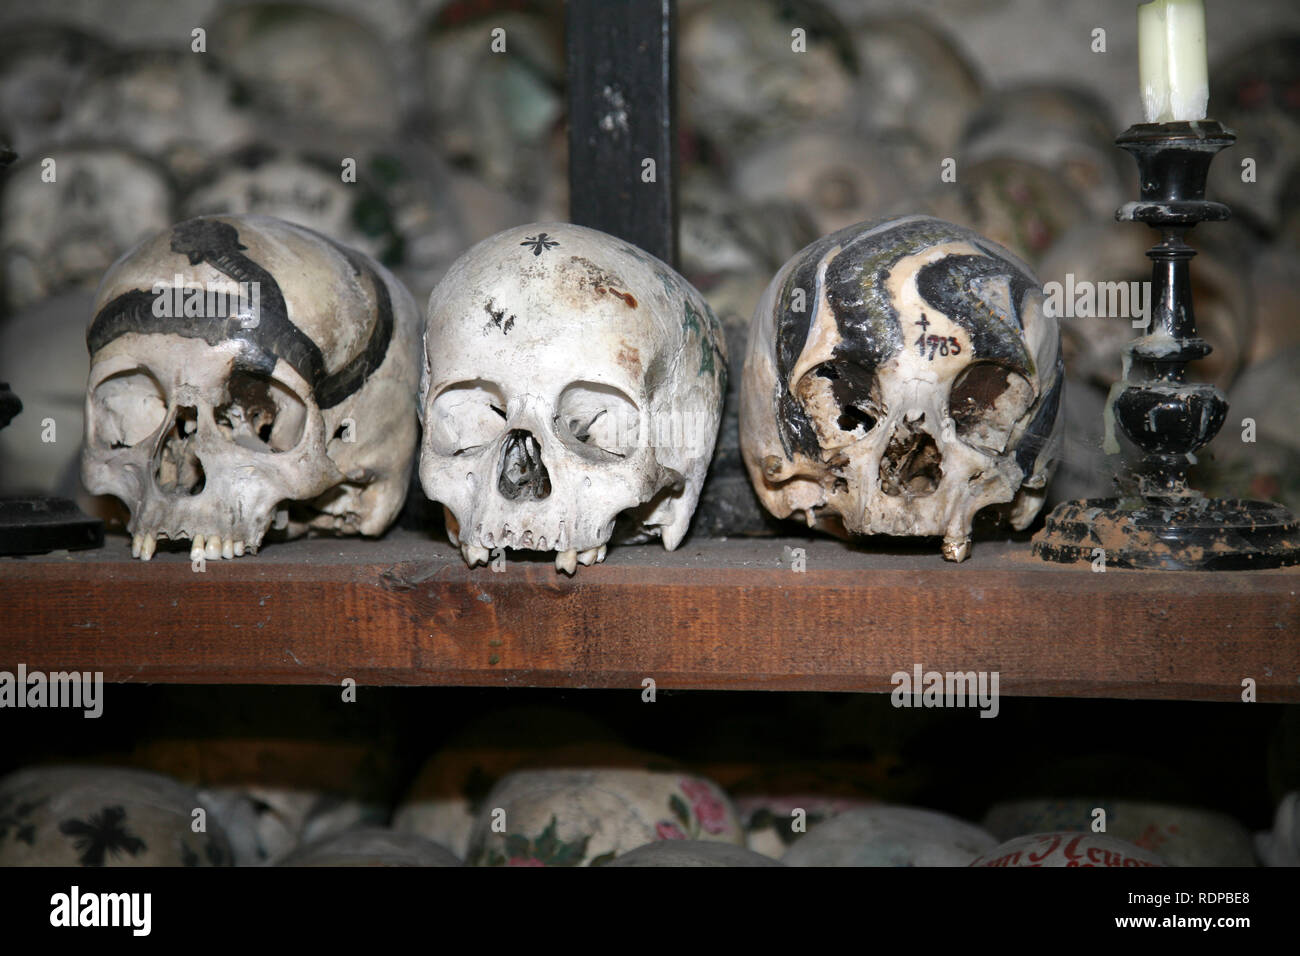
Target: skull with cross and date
(900, 377)
(570, 379)
(250, 374)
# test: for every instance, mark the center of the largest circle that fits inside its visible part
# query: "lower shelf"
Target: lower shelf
(724, 614)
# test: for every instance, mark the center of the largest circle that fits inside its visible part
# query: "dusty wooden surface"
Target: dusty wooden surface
(726, 614)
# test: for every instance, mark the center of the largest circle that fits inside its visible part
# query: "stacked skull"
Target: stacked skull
(570, 379)
(249, 373)
(901, 376)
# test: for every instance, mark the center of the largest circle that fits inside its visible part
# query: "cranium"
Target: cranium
(71, 815)
(901, 376)
(290, 398)
(569, 378)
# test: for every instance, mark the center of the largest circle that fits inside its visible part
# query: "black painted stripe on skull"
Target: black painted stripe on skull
(274, 336)
(865, 317)
(1039, 431)
(965, 288)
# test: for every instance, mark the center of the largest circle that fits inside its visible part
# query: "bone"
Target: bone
(503, 328)
(957, 548)
(196, 456)
(907, 432)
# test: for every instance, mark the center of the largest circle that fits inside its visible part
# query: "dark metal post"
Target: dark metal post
(622, 120)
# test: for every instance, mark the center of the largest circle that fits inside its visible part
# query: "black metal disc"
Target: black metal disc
(37, 525)
(1173, 534)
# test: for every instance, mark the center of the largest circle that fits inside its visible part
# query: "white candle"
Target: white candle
(1172, 67)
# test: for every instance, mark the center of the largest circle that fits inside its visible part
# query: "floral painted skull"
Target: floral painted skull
(569, 378)
(901, 376)
(249, 373)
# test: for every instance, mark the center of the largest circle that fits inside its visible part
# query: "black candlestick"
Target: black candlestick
(1167, 524)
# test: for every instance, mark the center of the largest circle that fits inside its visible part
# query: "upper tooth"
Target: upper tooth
(566, 561)
(147, 547)
(212, 547)
(196, 548)
(474, 554)
(588, 556)
(136, 542)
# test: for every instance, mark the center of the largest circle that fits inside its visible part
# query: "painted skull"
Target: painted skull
(248, 373)
(569, 378)
(901, 376)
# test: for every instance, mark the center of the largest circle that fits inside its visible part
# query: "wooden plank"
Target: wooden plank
(621, 83)
(726, 614)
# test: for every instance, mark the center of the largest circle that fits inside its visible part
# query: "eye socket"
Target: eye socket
(260, 413)
(465, 416)
(843, 400)
(598, 417)
(985, 403)
(128, 407)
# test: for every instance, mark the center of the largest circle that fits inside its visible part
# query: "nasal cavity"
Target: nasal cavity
(522, 476)
(912, 464)
(177, 468)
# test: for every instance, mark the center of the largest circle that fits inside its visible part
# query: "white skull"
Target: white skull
(71, 815)
(901, 376)
(585, 816)
(569, 377)
(295, 402)
(890, 836)
(56, 235)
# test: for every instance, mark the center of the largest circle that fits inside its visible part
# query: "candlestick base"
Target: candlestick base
(37, 525)
(1189, 533)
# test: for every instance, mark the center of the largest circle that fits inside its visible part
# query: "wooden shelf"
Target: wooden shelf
(725, 614)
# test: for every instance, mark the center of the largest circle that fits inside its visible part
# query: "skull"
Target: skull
(569, 378)
(901, 376)
(890, 836)
(586, 816)
(70, 815)
(65, 234)
(372, 846)
(245, 370)
(1182, 835)
(1066, 848)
